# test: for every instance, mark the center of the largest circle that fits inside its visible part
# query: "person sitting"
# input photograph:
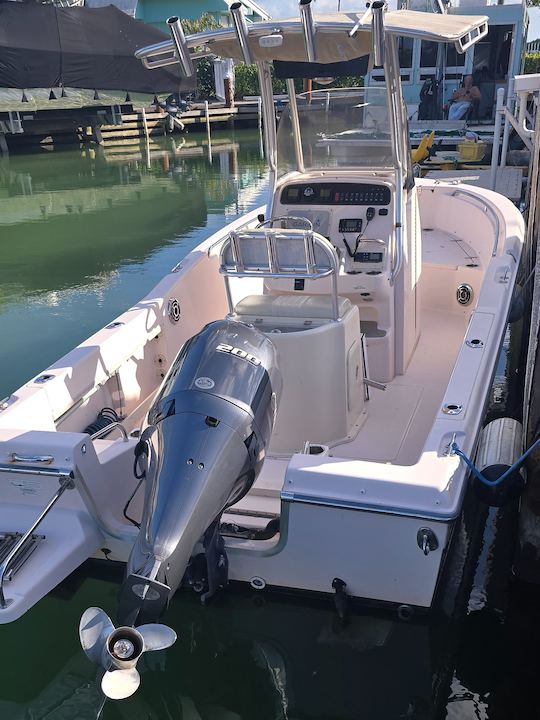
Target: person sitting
(463, 98)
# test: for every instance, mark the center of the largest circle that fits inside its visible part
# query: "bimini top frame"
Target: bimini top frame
(328, 38)
(323, 40)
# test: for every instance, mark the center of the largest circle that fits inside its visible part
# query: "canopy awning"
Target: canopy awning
(333, 40)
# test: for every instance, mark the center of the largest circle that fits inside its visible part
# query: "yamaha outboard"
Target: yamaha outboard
(202, 450)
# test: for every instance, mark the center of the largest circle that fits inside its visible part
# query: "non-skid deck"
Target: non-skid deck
(398, 419)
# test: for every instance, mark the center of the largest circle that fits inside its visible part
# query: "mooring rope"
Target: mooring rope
(482, 478)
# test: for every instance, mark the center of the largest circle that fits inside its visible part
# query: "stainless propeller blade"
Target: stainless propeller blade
(94, 629)
(156, 636)
(120, 684)
(118, 650)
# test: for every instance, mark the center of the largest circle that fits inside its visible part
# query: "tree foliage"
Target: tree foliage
(206, 22)
(532, 63)
(247, 82)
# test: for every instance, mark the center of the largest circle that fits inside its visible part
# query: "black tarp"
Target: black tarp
(79, 47)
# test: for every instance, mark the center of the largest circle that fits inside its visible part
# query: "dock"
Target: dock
(509, 180)
(123, 123)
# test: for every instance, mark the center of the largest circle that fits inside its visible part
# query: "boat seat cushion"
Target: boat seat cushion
(304, 307)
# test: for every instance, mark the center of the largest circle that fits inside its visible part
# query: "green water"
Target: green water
(82, 237)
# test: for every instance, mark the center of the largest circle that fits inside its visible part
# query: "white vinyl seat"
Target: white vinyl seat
(294, 310)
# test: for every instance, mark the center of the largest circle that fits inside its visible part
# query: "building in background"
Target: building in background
(155, 12)
(492, 62)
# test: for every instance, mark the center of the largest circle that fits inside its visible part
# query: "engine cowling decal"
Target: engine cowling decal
(238, 352)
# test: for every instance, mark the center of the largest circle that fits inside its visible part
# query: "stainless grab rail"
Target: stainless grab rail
(488, 210)
(110, 428)
(65, 484)
(47, 459)
(30, 470)
(271, 267)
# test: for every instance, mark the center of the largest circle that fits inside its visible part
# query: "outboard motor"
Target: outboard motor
(204, 446)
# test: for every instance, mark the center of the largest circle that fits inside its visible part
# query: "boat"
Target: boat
(285, 408)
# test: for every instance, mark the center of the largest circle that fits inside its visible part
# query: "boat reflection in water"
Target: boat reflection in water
(83, 234)
(101, 210)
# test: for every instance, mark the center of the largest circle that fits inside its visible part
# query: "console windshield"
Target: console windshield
(339, 129)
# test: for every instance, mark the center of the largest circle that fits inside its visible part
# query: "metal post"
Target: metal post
(377, 32)
(207, 118)
(295, 126)
(259, 112)
(208, 131)
(146, 136)
(269, 117)
(391, 71)
(306, 16)
(496, 139)
(511, 105)
(180, 46)
(241, 29)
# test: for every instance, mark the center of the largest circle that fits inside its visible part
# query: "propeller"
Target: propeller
(118, 650)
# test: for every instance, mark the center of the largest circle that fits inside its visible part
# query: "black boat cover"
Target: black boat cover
(79, 47)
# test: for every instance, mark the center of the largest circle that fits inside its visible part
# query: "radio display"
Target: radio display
(350, 225)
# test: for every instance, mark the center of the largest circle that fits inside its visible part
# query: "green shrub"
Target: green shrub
(247, 82)
(532, 63)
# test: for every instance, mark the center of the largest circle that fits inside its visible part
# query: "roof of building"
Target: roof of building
(257, 9)
(127, 6)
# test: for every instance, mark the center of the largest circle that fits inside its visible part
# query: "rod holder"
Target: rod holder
(181, 46)
(306, 16)
(241, 29)
(377, 31)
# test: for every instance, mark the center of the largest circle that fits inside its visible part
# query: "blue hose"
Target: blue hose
(478, 475)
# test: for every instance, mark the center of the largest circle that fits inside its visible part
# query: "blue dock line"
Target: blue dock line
(493, 483)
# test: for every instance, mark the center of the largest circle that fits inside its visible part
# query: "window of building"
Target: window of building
(428, 54)
(405, 50)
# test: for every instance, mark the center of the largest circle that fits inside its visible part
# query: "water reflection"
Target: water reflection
(253, 658)
(85, 234)
(241, 657)
(68, 218)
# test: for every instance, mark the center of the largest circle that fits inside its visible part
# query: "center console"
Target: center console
(356, 217)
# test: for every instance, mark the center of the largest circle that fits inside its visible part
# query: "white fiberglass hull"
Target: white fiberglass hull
(357, 510)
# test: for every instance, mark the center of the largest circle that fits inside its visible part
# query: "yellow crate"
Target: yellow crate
(470, 151)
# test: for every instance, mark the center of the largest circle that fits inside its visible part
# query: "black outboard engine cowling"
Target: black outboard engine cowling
(208, 433)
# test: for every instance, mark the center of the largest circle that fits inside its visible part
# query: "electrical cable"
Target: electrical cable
(370, 214)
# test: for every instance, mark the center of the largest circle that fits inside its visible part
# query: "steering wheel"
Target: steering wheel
(289, 222)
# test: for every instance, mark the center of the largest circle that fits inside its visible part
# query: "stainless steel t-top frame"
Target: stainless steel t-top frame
(384, 27)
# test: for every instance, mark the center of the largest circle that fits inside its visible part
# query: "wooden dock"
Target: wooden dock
(149, 123)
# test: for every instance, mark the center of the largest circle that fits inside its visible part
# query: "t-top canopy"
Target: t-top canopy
(338, 37)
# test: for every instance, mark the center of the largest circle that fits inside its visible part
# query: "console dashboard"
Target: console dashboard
(355, 216)
(335, 194)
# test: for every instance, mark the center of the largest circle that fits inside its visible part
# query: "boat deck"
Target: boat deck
(399, 418)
